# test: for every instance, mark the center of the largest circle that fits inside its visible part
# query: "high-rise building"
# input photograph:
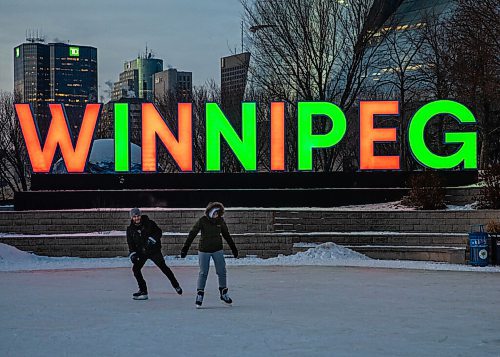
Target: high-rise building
(127, 85)
(136, 80)
(417, 12)
(408, 18)
(55, 73)
(173, 81)
(32, 77)
(234, 73)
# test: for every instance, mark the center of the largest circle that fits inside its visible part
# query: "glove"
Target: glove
(134, 257)
(184, 252)
(151, 242)
(235, 253)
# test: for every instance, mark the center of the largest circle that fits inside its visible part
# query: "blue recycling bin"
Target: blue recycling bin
(478, 243)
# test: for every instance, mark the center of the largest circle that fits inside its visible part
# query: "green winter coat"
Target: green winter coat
(212, 231)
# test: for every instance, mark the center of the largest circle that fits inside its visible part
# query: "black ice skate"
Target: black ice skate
(140, 295)
(178, 290)
(199, 298)
(224, 296)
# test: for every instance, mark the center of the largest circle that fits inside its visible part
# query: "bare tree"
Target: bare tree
(313, 50)
(14, 161)
(399, 78)
(474, 31)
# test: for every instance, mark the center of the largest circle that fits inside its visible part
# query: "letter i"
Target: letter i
(277, 136)
(122, 143)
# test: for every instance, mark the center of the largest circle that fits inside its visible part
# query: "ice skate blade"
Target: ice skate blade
(198, 306)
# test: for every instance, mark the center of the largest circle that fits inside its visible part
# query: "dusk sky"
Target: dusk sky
(189, 35)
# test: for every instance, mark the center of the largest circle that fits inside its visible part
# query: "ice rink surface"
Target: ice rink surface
(277, 311)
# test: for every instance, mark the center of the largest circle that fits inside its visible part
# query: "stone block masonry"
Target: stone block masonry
(261, 232)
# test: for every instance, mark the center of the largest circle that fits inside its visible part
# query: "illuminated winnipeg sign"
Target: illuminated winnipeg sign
(179, 145)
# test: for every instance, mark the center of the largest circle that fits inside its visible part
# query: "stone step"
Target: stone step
(384, 238)
(443, 221)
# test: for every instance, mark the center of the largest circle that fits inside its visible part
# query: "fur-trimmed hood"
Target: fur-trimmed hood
(212, 205)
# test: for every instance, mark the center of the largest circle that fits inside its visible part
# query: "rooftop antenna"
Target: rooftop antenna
(34, 36)
(241, 36)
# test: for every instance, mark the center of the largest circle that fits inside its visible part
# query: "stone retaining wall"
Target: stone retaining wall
(84, 221)
(261, 245)
(462, 196)
(250, 220)
(394, 221)
(261, 232)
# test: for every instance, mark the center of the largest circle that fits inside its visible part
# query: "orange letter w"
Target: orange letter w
(58, 134)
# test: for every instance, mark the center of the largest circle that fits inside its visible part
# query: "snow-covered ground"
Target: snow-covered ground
(327, 254)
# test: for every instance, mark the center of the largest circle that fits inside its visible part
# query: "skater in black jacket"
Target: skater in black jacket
(212, 226)
(144, 242)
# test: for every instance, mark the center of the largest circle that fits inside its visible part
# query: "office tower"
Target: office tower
(55, 73)
(136, 80)
(172, 81)
(32, 77)
(73, 79)
(234, 73)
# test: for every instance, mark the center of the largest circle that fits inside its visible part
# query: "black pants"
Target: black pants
(158, 259)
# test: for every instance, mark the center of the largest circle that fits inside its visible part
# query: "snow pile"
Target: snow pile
(322, 253)
(383, 206)
(13, 259)
(9, 255)
(398, 206)
(466, 207)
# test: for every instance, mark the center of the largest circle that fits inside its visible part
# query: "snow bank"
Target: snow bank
(9, 254)
(13, 259)
(326, 254)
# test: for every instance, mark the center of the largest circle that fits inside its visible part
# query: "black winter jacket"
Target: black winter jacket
(138, 237)
(211, 232)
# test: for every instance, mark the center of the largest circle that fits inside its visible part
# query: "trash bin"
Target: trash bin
(478, 243)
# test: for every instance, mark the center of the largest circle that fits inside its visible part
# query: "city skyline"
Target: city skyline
(189, 36)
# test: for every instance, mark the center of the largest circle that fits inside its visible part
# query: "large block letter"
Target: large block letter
(153, 125)
(218, 126)
(307, 141)
(75, 158)
(277, 136)
(122, 143)
(368, 135)
(467, 153)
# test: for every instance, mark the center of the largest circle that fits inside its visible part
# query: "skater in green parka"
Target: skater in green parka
(213, 228)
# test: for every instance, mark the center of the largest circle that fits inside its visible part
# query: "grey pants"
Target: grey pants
(220, 268)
